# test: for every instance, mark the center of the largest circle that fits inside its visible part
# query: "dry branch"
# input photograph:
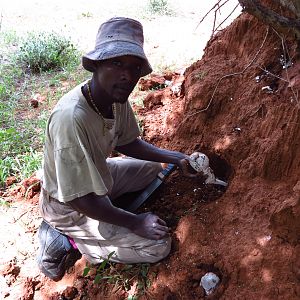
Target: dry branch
(279, 22)
(215, 9)
(292, 5)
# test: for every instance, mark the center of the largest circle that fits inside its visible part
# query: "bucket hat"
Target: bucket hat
(117, 37)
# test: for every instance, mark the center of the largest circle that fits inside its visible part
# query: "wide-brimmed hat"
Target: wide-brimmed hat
(117, 37)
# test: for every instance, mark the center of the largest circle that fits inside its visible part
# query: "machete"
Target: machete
(147, 192)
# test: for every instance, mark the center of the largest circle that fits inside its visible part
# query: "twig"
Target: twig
(272, 74)
(22, 214)
(208, 13)
(286, 58)
(227, 17)
(229, 75)
(30, 188)
(216, 5)
(214, 25)
(219, 6)
(215, 18)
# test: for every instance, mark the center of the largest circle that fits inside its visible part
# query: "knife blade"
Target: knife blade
(148, 191)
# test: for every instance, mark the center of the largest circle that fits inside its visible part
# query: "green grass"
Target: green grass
(28, 67)
(159, 7)
(121, 276)
(44, 51)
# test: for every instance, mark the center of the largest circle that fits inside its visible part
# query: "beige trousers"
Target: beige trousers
(96, 239)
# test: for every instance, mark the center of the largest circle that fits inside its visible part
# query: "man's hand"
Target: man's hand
(189, 171)
(150, 226)
(142, 150)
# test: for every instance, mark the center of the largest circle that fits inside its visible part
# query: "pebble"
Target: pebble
(209, 282)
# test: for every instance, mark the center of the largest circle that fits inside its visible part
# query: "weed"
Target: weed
(21, 166)
(9, 37)
(160, 7)
(158, 86)
(137, 100)
(5, 169)
(122, 277)
(4, 203)
(44, 51)
(164, 65)
(87, 14)
(200, 75)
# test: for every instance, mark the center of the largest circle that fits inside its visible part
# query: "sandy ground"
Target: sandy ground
(169, 41)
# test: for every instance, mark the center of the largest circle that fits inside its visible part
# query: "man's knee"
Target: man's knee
(155, 252)
(154, 167)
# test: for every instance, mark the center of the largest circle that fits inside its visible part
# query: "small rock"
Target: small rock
(209, 282)
(28, 289)
(70, 292)
(34, 103)
(10, 180)
(10, 269)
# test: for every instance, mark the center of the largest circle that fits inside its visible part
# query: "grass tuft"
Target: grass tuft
(45, 51)
(122, 277)
(160, 7)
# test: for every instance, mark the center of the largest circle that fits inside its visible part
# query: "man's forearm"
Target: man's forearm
(142, 150)
(100, 208)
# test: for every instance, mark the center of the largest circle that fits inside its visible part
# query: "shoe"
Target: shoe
(56, 254)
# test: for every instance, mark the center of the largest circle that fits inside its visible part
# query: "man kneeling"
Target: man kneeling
(80, 181)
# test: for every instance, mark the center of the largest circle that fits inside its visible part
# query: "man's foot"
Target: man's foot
(56, 254)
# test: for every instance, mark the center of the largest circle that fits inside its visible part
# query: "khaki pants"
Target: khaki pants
(96, 239)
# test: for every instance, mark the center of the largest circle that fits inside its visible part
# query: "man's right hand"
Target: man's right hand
(150, 226)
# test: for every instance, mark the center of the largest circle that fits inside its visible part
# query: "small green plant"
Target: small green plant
(138, 100)
(21, 166)
(45, 51)
(159, 7)
(200, 75)
(158, 86)
(4, 203)
(87, 14)
(5, 169)
(122, 277)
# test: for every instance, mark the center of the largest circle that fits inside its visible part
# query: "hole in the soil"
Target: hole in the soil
(210, 268)
(222, 285)
(220, 166)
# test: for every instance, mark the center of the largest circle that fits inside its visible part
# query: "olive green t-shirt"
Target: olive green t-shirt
(76, 148)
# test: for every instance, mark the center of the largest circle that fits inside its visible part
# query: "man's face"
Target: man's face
(118, 76)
